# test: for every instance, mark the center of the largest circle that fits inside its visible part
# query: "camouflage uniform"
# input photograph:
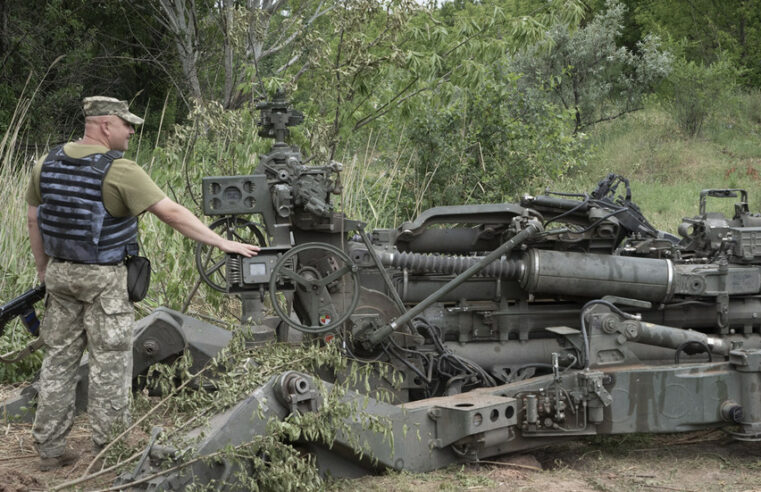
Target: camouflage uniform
(87, 306)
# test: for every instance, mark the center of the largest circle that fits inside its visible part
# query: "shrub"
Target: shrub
(694, 90)
(585, 71)
(488, 142)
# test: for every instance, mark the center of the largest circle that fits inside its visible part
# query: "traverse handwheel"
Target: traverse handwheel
(212, 262)
(321, 286)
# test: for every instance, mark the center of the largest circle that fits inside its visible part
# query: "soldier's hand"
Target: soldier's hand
(235, 247)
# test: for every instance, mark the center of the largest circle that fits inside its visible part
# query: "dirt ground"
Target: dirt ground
(705, 461)
(698, 461)
(20, 464)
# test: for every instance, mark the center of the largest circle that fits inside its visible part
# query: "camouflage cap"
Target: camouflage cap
(101, 106)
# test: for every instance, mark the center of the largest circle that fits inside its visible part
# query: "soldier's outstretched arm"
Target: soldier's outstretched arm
(35, 238)
(183, 220)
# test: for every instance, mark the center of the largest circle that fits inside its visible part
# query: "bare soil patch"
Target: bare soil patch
(20, 463)
(699, 461)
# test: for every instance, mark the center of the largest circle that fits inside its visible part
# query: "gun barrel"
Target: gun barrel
(559, 272)
(588, 275)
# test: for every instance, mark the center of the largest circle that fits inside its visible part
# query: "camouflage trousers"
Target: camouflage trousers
(87, 306)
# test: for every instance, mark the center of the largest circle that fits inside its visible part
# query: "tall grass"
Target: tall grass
(17, 268)
(18, 272)
(668, 170)
(372, 183)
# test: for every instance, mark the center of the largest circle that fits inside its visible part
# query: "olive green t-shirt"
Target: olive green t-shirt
(127, 189)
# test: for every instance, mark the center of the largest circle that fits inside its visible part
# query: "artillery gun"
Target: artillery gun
(512, 326)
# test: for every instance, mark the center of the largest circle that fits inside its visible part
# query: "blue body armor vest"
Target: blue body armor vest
(74, 223)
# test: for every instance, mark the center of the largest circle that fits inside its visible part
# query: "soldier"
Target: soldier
(82, 215)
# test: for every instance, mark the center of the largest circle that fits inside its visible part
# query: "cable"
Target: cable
(594, 224)
(447, 365)
(568, 212)
(414, 369)
(456, 362)
(571, 364)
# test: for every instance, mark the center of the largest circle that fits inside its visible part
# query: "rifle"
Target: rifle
(23, 306)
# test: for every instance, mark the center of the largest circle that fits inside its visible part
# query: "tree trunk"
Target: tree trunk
(180, 20)
(227, 29)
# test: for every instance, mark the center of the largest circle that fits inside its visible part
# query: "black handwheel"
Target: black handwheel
(211, 262)
(314, 285)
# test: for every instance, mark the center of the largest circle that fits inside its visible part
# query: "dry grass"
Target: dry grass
(699, 461)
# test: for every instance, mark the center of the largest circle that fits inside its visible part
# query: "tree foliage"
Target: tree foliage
(486, 145)
(355, 61)
(437, 84)
(709, 30)
(589, 73)
(693, 92)
(251, 41)
(59, 51)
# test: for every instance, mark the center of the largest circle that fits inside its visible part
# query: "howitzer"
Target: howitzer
(23, 306)
(511, 326)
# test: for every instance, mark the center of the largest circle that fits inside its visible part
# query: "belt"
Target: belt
(61, 260)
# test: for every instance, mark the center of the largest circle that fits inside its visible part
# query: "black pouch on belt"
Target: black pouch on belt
(138, 277)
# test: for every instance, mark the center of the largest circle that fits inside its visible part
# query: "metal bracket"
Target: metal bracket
(594, 383)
